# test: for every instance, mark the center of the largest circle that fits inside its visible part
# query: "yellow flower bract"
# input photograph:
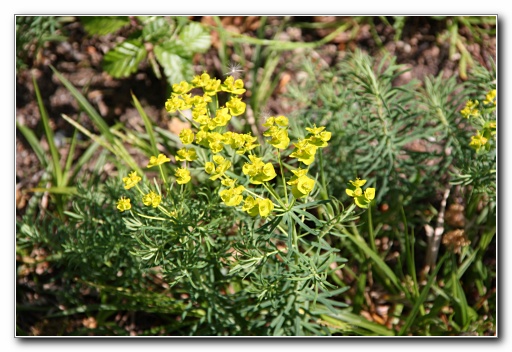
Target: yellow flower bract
(159, 160)
(124, 204)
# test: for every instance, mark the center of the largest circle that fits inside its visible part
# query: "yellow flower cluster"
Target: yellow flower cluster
(362, 199)
(471, 109)
(490, 98)
(210, 132)
(479, 113)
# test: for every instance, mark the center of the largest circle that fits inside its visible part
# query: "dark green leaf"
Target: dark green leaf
(102, 25)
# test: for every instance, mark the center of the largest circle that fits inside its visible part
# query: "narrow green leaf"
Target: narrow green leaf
(421, 299)
(57, 170)
(346, 317)
(56, 190)
(88, 108)
(302, 224)
(147, 124)
(34, 143)
(69, 160)
(375, 258)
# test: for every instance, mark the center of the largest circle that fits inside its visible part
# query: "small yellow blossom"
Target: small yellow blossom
(251, 206)
(304, 152)
(258, 171)
(232, 196)
(123, 204)
(186, 136)
(175, 103)
(151, 199)
(233, 86)
(181, 88)
(478, 142)
(155, 161)
(318, 137)
(131, 180)
(361, 199)
(490, 98)
(219, 170)
(471, 109)
(301, 184)
(228, 182)
(258, 206)
(279, 137)
(182, 176)
(236, 106)
(185, 154)
(222, 117)
(265, 207)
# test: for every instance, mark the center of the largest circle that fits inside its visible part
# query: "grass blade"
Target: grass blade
(56, 169)
(147, 124)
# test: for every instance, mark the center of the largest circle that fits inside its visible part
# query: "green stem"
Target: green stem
(323, 193)
(162, 173)
(282, 175)
(370, 230)
(273, 193)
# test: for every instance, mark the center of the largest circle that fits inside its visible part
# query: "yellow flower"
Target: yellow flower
(185, 154)
(182, 176)
(258, 171)
(265, 207)
(232, 86)
(175, 103)
(123, 204)
(181, 88)
(201, 81)
(304, 152)
(301, 184)
(236, 106)
(222, 117)
(131, 180)
(155, 161)
(215, 142)
(478, 142)
(470, 109)
(219, 170)
(279, 137)
(251, 206)
(186, 136)
(318, 137)
(232, 196)
(361, 199)
(151, 199)
(258, 206)
(228, 182)
(358, 182)
(212, 87)
(490, 98)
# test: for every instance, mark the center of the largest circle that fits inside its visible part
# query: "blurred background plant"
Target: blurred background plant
(422, 261)
(32, 33)
(168, 43)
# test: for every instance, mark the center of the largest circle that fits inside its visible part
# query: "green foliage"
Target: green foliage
(166, 42)
(103, 25)
(312, 266)
(32, 32)
(410, 141)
